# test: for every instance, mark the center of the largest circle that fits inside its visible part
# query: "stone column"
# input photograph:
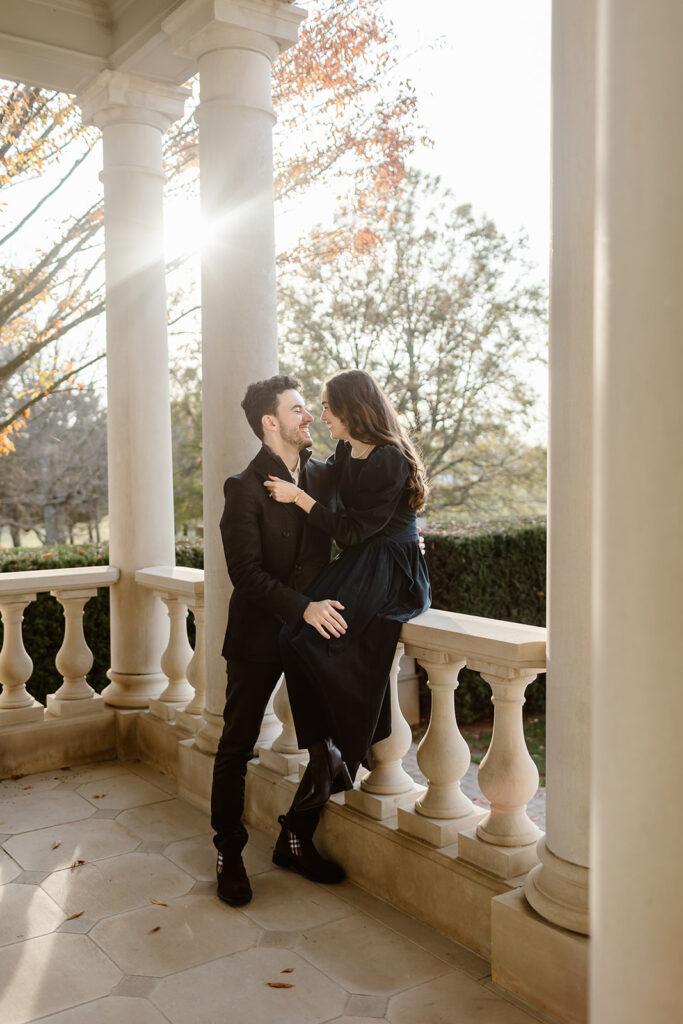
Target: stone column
(539, 948)
(133, 113)
(558, 888)
(234, 45)
(636, 907)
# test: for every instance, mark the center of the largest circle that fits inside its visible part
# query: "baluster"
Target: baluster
(284, 755)
(388, 784)
(443, 756)
(16, 703)
(270, 726)
(74, 659)
(196, 670)
(174, 660)
(505, 840)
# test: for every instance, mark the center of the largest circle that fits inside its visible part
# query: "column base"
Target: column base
(502, 861)
(545, 965)
(33, 712)
(186, 720)
(283, 764)
(166, 710)
(436, 831)
(558, 890)
(381, 805)
(195, 775)
(133, 691)
(71, 708)
(209, 732)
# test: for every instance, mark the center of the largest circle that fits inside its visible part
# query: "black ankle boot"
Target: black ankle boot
(233, 884)
(299, 854)
(325, 770)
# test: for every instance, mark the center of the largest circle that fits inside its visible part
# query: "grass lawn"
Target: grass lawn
(478, 736)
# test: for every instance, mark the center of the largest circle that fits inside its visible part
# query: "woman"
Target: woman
(339, 685)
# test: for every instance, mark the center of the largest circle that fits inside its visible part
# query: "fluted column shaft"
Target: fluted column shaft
(133, 113)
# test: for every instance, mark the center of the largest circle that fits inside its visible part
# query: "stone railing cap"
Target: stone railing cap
(174, 579)
(40, 580)
(471, 636)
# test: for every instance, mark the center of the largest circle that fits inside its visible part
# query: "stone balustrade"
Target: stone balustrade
(180, 589)
(72, 588)
(508, 656)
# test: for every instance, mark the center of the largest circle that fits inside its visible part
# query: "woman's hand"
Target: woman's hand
(282, 490)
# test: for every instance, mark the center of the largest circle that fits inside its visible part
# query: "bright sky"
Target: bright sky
(481, 70)
(484, 95)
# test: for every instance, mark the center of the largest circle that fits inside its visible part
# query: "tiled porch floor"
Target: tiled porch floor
(108, 915)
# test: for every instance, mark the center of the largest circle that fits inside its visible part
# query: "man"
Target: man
(272, 553)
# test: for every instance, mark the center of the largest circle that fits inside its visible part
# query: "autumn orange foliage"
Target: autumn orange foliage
(345, 119)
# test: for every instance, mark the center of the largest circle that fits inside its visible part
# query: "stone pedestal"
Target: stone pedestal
(544, 965)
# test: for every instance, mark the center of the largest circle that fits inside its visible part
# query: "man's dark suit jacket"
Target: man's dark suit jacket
(272, 553)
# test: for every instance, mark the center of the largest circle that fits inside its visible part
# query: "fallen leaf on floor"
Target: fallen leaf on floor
(28, 787)
(74, 916)
(279, 984)
(158, 903)
(57, 842)
(77, 864)
(287, 970)
(156, 929)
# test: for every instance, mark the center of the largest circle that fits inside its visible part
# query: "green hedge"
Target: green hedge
(494, 569)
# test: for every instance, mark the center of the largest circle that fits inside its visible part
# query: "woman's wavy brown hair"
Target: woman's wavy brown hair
(368, 415)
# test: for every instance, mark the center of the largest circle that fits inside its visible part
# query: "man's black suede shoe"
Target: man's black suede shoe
(299, 854)
(233, 884)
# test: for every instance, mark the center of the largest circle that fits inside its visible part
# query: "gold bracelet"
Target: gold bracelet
(298, 495)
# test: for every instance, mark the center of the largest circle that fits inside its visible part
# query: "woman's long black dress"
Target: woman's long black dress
(340, 687)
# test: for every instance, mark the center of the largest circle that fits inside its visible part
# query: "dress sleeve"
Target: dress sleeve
(381, 482)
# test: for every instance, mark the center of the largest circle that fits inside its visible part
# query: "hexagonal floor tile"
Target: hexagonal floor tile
(51, 973)
(453, 999)
(284, 901)
(9, 868)
(165, 822)
(157, 778)
(365, 957)
(197, 856)
(50, 849)
(110, 1010)
(121, 793)
(237, 989)
(117, 884)
(26, 911)
(160, 940)
(40, 810)
(42, 783)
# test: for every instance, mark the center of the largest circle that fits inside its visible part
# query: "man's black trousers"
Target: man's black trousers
(248, 691)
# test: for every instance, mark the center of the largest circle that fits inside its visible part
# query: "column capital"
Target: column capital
(268, 26)
(116, 97)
